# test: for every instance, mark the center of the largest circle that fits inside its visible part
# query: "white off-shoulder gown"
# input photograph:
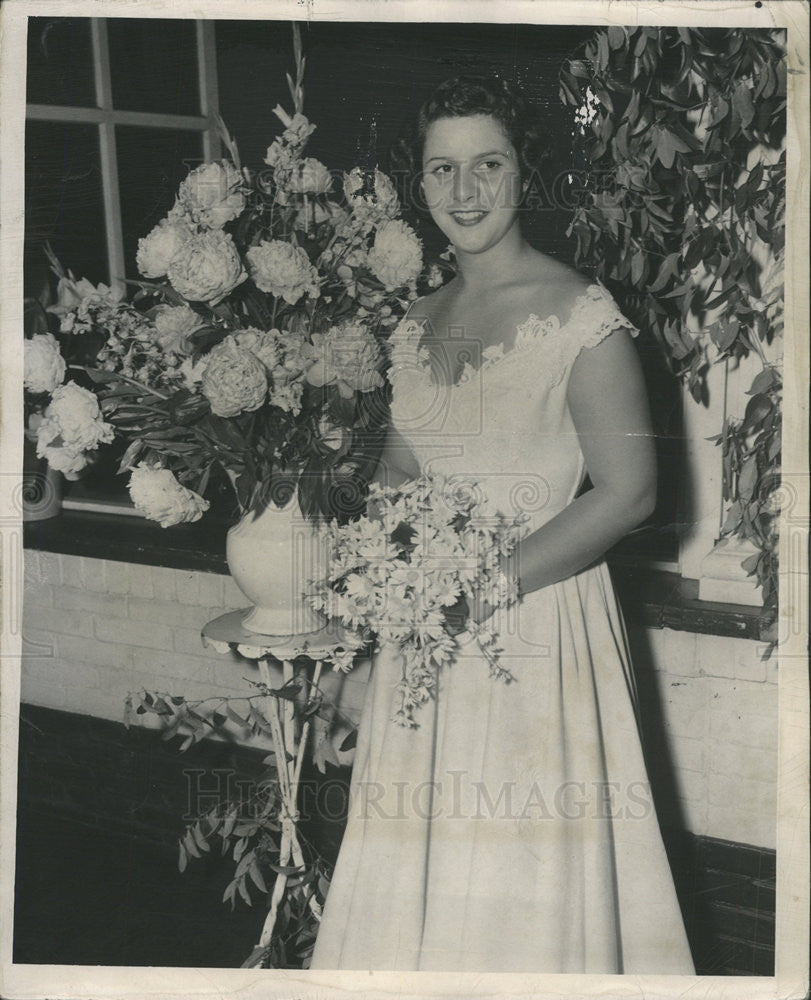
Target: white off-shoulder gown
(513, 830)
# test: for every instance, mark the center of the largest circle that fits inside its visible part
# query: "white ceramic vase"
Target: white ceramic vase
(271, 556)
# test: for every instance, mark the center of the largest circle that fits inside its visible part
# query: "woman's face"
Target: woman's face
(471, 180)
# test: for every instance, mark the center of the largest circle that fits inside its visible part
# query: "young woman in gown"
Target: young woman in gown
(513, 830)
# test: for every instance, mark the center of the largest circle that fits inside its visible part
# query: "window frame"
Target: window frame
(106, 117)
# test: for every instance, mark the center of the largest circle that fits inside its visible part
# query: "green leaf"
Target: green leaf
(256, 875)
(742, 103)
(287, 693)
(616, 37)
(763, 381)
(243, 891)
(199, 837)
(190, 845)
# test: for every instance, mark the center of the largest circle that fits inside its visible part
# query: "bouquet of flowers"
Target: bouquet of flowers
(252, 349)
(432, 545)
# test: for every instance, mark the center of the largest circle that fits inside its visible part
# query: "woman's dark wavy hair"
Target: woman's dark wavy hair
(463, 97)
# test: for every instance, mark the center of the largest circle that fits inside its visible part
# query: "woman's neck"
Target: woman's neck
(496, 265)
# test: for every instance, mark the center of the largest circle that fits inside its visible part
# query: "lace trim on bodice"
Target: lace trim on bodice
(594, 316)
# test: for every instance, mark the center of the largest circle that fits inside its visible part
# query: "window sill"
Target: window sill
(197, 546)
(650, 597)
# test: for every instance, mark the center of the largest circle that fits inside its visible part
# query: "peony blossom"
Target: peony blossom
(234, 381)
(157, 250)
(283, 269)
(207, 268)
(44, 367)
(310, 177)
(71, 426)
(73, 415)
(262, 344)
(396, 257)
(158, 495)
(212, 194)
(346, 356)
(365, 198)
(174, 325)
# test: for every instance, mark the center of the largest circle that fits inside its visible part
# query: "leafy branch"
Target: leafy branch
(682, 214)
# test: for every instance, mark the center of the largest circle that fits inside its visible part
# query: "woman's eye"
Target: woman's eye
(442, 170)
(491, 164)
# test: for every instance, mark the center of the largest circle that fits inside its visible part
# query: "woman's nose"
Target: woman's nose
(464, 186)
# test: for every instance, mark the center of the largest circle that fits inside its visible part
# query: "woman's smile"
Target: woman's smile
(467, 216)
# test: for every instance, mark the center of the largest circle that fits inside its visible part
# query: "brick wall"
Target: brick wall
(94, 630)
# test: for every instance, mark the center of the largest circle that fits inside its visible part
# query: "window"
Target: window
(118, 110)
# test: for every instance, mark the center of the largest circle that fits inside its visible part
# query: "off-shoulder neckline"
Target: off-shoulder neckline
(526, 334)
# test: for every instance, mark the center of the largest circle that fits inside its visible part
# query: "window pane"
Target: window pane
(63, 200)
(60, 61)
(151, 164)
(154, 65)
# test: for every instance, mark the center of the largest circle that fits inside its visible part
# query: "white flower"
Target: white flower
(347, 356)
(377, 197)
(296, 133)
(157, 250)
(587, 112)
(192, 373)
(396, 257)
(234, 380)
(212, 194)
(310, 177)
(434, 276)
(72, 425)
(44, 367)
(158, 495)
(174, 325)
(283, 269)
(73, 416)
(74, 296)
(262, 344)
(206, 268)
(287, 396)
(297, 353)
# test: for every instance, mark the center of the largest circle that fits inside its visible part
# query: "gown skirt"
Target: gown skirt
(513, 830)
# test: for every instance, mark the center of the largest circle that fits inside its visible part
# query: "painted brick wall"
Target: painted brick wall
(94, 630)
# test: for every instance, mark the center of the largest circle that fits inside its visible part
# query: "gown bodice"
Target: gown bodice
(505, 422)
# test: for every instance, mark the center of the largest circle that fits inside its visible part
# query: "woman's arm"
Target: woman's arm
(609, 407)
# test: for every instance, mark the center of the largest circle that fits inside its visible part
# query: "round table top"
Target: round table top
(228, 633)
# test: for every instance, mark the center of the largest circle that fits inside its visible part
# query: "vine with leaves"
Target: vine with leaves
(682, 215)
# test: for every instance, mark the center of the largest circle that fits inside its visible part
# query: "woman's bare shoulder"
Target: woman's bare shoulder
(432, 307)
(553, 288)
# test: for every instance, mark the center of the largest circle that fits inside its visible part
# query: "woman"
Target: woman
(513, 830)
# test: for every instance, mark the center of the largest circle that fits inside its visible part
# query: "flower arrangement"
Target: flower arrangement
(430, 546)
(62, 418)
(251, 351)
